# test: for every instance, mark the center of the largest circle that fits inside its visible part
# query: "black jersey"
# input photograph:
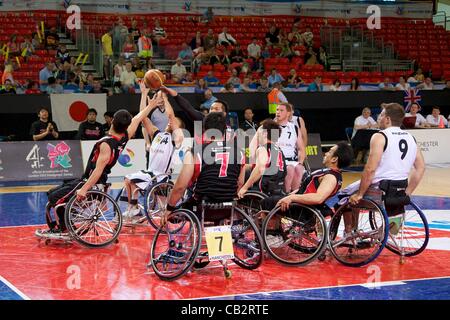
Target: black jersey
(217, 167)
(311, 183)
(272, 180)
(116, 144)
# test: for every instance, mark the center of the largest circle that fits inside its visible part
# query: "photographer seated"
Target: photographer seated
(216, 168)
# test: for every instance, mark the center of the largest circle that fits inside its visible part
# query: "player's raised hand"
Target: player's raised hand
(143, 87)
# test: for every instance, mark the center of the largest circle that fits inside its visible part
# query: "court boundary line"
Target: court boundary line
(14, 288)
(318, 288)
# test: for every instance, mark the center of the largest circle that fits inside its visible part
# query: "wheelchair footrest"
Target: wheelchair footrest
(52, 235)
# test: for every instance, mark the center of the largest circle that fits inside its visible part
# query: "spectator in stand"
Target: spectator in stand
(119, 68)
(294, 37)
(226, 59)
(7, 88)
(8, 74)
(52, 39)
(234, 79)
(419, 76)
(210, 79)
(33, 88)
(178, 71)
(386, 85)
(265, 54)
(82, 88)
(226, 39)
(208, 16)
(44, 129)
(435, 119)
(134, 31)
(80, 76)
(245, 86)
(316, 85)
(336, 86)
(186, 52)
(248, 122)
(71, 85)
(209, 99)
(254, 53)
(364, 121)
(119, 34)
(286, 50)
(90, 129)
(145, 46)
(14, 48)
(447, 85)
(98, 88)
(54, 87)
(188, 79)
(402, 84)
(228, 88)
(421, 122)
(197, 41)
(272, 36)
(35, 41)
(109, 116)
(46, 73)
(275, 77)
(201, 86)
(426, 85)
(323, 58)
(128, 78)
(62, 54)
(63, 74)
(137, 68)
(150, 64)
(158, 32)
(354, 85)
(264, 85)
(275, 97)
(210, 40)
(214, 58)
(293, 80)
(28, 45)
(237, 55)
(129, 48)
(308, 37)
(107, 53)
(310, 57)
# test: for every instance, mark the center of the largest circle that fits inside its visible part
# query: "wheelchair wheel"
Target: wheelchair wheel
(94, 222)
(413, 235)
(176, 246)
(155, 201)
(296, 236)
(247, 241)
(367, 238)
(251, 205)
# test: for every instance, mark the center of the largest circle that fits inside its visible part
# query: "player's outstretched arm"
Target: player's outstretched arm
(194, 115)
(152, 103)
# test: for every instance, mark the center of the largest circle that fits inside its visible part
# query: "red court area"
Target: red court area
(61, 271)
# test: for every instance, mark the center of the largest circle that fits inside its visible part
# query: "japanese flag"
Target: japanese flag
(69, 110)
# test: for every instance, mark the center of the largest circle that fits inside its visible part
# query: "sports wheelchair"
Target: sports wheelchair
(152, 201)
(406, 232)
(94, 222)
(175, 248)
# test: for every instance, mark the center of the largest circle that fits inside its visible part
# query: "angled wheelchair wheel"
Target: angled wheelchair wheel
(366, 237)
(251, 205)
(94, 222)
(176, 245)
(411, 237)
(247, 241)
(296, 236)
(155, 201)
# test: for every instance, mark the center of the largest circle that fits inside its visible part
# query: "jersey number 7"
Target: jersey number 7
(224, 158)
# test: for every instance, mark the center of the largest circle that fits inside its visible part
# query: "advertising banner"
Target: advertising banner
(42, 160)
(434, 144)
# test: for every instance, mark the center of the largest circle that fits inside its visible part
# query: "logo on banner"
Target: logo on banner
(411, 96)
(187, 6)
(298, 8)
(59, 155)
(399, 11)
(35, 158)
(125, 158)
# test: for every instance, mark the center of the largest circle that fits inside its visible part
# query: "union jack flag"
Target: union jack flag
(411, 96)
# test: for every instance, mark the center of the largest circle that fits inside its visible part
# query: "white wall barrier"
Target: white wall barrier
(435, 145)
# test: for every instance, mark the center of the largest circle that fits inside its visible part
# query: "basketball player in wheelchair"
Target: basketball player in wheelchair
(83, 194)
(216, 167)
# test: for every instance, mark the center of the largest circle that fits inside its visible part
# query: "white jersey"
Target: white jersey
(287, 141)
(160, 155)
(398, 157)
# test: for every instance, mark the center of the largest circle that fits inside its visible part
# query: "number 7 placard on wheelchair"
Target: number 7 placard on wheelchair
(219, 243)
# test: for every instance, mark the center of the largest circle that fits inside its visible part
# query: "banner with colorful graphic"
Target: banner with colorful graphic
(41, 160)
(69, 110)
(335, 9)
(131, 160)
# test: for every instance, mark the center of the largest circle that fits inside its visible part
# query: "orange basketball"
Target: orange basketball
(154, 79)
